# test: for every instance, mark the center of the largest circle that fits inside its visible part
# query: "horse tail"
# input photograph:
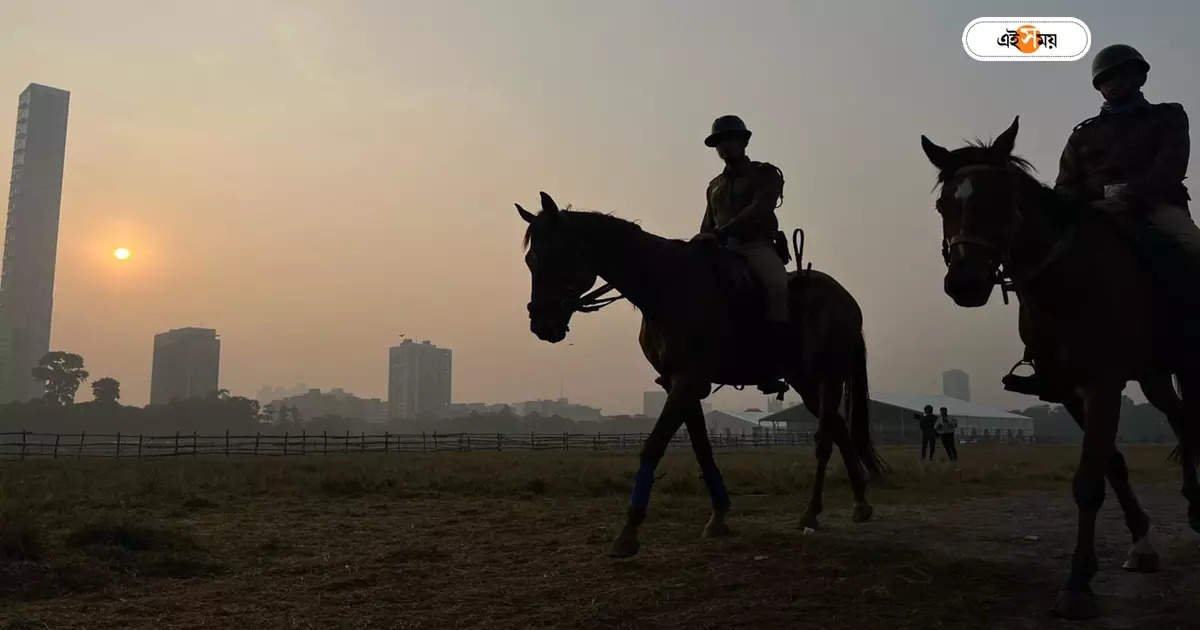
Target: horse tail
(860, 414)
(1186, 431)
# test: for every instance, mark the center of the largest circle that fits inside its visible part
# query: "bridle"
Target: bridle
(964, 237)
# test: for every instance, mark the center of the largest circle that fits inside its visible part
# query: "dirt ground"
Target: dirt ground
(977, 554)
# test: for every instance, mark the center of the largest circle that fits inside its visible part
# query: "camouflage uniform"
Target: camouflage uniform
(749, 192)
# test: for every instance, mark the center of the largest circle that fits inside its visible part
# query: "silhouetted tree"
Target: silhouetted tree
(106, 390)
(62, 373)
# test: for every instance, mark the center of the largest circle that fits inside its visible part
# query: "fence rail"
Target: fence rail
(24, 444)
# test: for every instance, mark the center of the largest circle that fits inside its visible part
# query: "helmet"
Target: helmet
(1110, 57)
(727, 125)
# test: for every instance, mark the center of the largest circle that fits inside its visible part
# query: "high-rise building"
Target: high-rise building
(653, 403)
(186, 364)
(418, 379)
(956, 384)
(31, 238)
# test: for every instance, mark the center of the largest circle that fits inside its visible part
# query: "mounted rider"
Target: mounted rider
(740, 214)
(1131, 160)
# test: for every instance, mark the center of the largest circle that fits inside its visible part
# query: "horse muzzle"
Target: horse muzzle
(551, 331)
(969, 282)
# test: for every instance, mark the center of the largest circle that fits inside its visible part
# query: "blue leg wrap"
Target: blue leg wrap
(641, 487)
(716, 485)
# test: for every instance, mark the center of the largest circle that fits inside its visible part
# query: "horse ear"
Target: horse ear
(548, 205)
(525, 214)
(938, 156)
(1006, 141)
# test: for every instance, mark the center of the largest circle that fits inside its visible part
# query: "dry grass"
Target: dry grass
(503, 540)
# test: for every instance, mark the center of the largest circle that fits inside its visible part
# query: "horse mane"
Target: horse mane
(590, 220)
(977, 152)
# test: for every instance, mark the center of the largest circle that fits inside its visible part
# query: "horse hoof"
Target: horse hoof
(716, 530)
(1194, 517)
(624, 547)
(808, 524)
(1074, 605)
(862, 513)
(1141, 562)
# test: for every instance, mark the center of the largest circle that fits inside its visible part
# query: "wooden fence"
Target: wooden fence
(24, 444)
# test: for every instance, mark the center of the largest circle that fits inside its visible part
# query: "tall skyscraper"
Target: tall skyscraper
(956, 384)
(418, 379)
(31, 238)
(186, 364)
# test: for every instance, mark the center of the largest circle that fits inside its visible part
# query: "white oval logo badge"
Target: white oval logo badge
(1026, 39)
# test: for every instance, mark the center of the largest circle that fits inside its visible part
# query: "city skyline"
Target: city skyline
(294, 177)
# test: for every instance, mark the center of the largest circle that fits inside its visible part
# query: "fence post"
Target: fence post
(468, 442)
(422, 441)
(257, 437)
(57, 436)
(226, 442)
(325, 437)
(347, 444)
(596, 442)
(460, 442)
(22, 443)
(139, 446)
(532, 445)
(385, 442)
(176, 443)
(363, 443)
(285, 441)
(304, 442)
(79, 453)
(435, 441)
(193, 443)
(566, 444)
(118, 444)
(499, 442)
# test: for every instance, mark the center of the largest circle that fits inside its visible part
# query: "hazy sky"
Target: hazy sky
(314, 179)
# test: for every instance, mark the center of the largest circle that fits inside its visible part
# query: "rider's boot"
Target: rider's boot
(779, 351)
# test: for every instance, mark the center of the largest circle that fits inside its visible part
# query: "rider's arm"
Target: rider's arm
(706, 225)
(1070, 181)
(1168, 166)
(768, 185)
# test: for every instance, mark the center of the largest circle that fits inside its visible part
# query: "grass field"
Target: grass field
(506, 540)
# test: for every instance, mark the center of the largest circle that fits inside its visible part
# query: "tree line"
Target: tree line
(63, 373)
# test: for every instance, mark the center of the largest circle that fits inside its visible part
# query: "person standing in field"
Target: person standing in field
(928, 435)
(945, 427)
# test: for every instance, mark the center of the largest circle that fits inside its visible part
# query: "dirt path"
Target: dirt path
(1033, 536)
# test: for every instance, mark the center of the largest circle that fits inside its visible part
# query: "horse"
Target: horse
(1091, 315)
(694, 335)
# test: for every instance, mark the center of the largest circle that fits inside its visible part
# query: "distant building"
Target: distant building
(270, 394)
(956, 384)
(315, 404)
(653, 403)
(463, 410)
(774, 405)
(418, 379)
(31, 238)
(186, 364)
(561, 408)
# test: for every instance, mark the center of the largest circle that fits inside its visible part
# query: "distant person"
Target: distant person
(928, 433)
(945, 427)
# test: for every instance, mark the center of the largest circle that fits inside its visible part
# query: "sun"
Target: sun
(121, 253)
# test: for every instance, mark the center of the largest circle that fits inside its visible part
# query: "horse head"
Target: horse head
(558, 270)
(979, 213)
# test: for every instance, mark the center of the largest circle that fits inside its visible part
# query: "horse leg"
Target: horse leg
(854, 470)
(1142, 557)
(1189, 444)
(708, 468)
(672, 416)
(1101, 409)
(824, 439)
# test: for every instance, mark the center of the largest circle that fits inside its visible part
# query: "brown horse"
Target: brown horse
(693, 338)
(1089, 313)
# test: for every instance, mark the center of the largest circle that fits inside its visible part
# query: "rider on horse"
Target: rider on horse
(741, 215)
(1130, 160)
